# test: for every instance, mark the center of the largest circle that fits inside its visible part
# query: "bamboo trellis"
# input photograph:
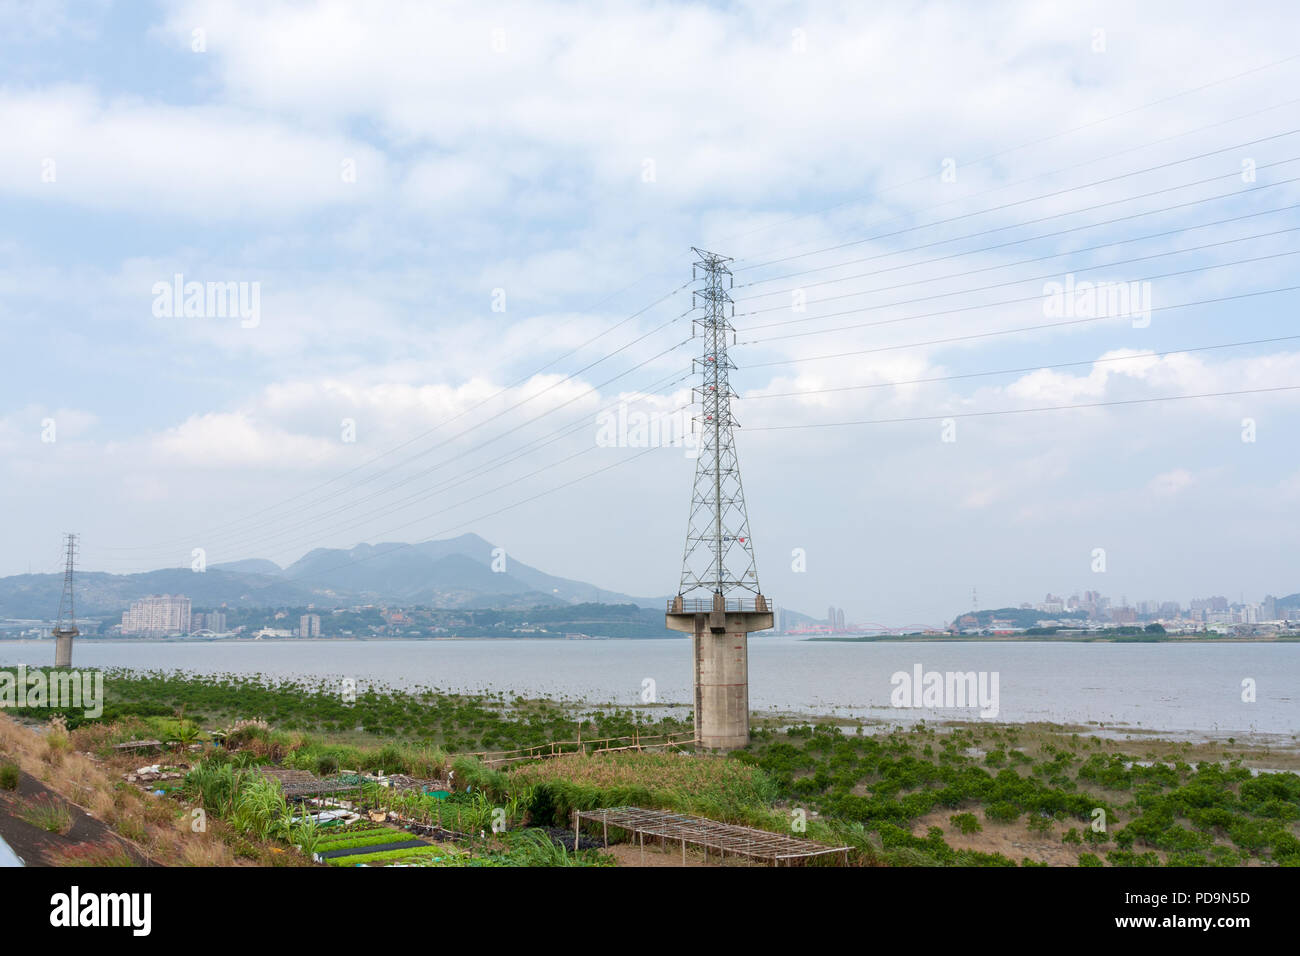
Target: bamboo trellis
(748, 842)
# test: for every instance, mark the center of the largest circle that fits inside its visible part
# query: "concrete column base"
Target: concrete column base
(63, 648)
(720, 641)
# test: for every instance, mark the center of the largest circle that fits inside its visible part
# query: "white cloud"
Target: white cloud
(198, 162)
(523, 170)
(226, 440)
(1171, 482)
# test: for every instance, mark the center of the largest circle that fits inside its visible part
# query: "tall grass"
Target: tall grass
(216, 786)
(48, 815)
(260, 808)
(307, 835)
(96, 855)
(536, 848)
(725, 790)
(252, 803)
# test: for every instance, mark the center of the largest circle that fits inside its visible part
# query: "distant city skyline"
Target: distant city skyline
(1214, 608)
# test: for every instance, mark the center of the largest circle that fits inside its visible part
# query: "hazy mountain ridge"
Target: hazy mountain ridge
(456, 572)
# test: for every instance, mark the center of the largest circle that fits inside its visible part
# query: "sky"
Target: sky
(463, 235)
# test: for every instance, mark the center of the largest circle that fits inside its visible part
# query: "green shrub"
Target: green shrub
(1038, 823)
(965, 823)
(327, 764)
(389, 759)
(1177, 839)
(9, 776)
(1002, 812)
(1283, 846)
(1129, 858)
(910, 856)
(1250, 835)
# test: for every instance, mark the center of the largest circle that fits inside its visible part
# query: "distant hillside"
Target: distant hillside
(1013, 616)
(453, 572)
(457, 572)
(248, 566)
(37, 595)
(1291, 601)
(791, 618)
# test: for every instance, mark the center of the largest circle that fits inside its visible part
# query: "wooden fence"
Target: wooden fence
(595, 745)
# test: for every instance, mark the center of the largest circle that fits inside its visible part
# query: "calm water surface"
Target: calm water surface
(1160, 687)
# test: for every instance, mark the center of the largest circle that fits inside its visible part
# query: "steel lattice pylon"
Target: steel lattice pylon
(65, 629)
(719, 556)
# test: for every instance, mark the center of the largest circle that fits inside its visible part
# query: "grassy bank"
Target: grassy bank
(427, 716)
(974, 795)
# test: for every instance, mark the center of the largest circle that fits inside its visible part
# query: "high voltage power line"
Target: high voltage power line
(483, 517)
(999, 332)
(428, 493)
(1059, 215)
(1021, 202)
(321, 517)
(477, 471)
(1009, 265)
(487, 400)
(901, 420)
(673, 292)
(569, 430)
(1102, 360)
(506, 458)
(480, 424)
(1008, 282)
(1022, 411)
(1014, 242)
(989, 305)
(1053, 136)
(1045, 175)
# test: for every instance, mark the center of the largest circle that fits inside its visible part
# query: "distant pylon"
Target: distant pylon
(66, 627)
(719, 556)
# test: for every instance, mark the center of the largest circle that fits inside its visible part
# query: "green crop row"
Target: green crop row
(375, 839)
(389, 856)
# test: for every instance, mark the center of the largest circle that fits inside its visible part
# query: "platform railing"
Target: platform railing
(753, 604)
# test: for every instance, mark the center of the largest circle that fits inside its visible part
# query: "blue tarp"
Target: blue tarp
(7, 856)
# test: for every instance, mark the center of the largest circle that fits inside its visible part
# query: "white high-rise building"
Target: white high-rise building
(158, 615)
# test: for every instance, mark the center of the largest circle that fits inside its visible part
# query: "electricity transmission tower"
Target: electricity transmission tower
(719, 556)
(65, 629)
(718, 600)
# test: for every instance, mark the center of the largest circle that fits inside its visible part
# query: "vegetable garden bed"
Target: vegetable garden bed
(369, 849)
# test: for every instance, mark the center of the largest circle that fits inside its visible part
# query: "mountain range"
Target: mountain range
(456, 572)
